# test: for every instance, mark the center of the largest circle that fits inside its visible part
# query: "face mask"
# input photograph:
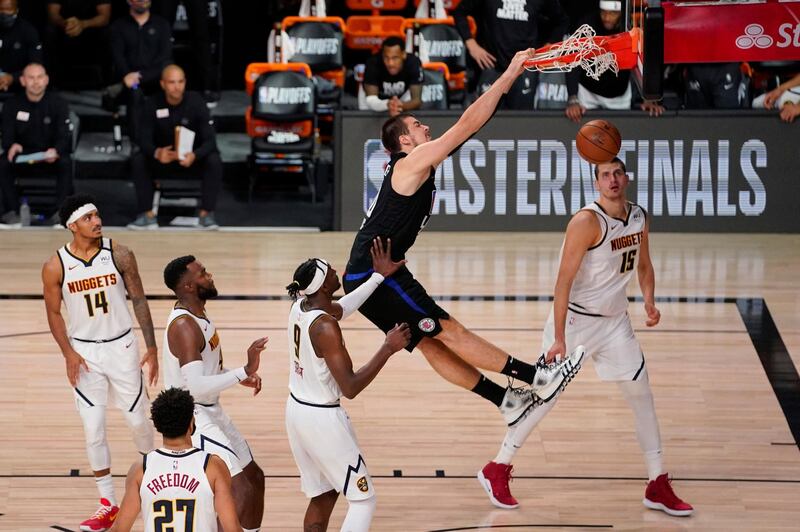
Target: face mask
(140, 8)
(6, 20)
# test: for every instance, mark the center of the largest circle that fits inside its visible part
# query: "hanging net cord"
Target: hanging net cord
(582, 48)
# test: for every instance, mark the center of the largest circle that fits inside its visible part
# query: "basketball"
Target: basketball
(598, 141)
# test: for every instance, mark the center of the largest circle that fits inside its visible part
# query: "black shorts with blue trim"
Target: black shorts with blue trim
(399, 299)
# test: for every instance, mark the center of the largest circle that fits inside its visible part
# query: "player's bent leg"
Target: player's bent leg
(255, 476)
(319, 511)
(447, 364)
(141, 426)
(359, 515)
(472, 348)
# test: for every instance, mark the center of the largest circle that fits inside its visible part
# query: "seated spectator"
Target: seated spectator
(504, 28)
(611, 91)
(715, 86)
(392, 80)
(785, 97)
(19, 46)
(197, 15)
(76, 34)
(34, 122)
(140, 49)
(158, 155)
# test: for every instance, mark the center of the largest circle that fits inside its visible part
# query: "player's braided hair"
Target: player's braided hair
(175, 270)
(71, 204)
(303, 276)
(172, 412)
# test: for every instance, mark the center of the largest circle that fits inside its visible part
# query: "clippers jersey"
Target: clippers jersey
(211, 354)
(94, 295)
(310, 380)
(394, 216)
(599, 286)
(175, 492)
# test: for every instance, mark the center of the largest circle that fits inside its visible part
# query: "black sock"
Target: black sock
(488, 389)
(518, 369)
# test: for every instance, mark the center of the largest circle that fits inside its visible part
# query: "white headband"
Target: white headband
(610, 5)
(319, 277)
(80, 211)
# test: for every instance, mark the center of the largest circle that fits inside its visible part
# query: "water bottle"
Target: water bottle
(117, 134)
(25, 213)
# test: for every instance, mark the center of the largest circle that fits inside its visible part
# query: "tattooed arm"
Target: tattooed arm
(126, 262)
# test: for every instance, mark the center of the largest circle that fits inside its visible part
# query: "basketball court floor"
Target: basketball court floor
(722, 365)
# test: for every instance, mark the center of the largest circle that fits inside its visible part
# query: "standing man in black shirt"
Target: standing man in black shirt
(392, 79)
(19, 46)
(504, 28)
(158, 154)
(35, 121)
(401, 209)
(76, 33)
(141, 47)
(612, 90)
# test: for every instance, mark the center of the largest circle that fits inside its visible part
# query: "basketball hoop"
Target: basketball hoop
(585, 49)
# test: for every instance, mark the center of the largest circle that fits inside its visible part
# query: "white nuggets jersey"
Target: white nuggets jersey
(175, 492)
(211, 354)
(94, 294)
(599, 286)
(310, 380)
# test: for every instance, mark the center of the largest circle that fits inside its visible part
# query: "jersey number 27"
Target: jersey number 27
(167, 510)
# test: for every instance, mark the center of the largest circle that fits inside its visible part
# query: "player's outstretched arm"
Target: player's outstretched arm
(647, 279)
(583, 231)
(126, 262)
(51, 281)
(419, 162)
(219, 478)
(132, 502)
(326, 337)
(384, 267)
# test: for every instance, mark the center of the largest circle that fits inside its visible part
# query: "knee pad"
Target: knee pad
(359, 515)
(141, 427)
(94, 429)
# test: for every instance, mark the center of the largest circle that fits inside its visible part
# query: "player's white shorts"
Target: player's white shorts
(609, 341)
(113, 366)
(216, 434)
(326, 451)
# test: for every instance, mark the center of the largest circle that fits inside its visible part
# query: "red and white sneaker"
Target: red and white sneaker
(659, 496)
(102, 519)
(494, 478)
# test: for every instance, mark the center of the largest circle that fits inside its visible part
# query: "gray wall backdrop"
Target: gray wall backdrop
(695, 172)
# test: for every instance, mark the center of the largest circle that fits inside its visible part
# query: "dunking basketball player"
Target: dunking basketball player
(193, 360)
(178, 487)
(92, 275)
(399, 212)
(322, 440)
(605, 243)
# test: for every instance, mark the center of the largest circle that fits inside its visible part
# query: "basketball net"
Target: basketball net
(584, 49)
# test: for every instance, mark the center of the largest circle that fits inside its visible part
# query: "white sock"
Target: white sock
(359, 515)
(105, 485)
(518, 434)
(640, 398)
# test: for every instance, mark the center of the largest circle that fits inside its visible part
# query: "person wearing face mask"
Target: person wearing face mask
(141, 47)
(19, 46)
(76, 41)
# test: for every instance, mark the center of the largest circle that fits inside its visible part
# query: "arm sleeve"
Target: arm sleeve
(118, 59)
(460, 15)
(352, 301)
(61, 142)
(376, 104)
(200, 385)
(206, 136)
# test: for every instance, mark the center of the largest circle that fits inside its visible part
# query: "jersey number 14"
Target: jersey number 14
(100, 302)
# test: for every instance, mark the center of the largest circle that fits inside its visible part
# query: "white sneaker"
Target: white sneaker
(550, 379)
(516, 403)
